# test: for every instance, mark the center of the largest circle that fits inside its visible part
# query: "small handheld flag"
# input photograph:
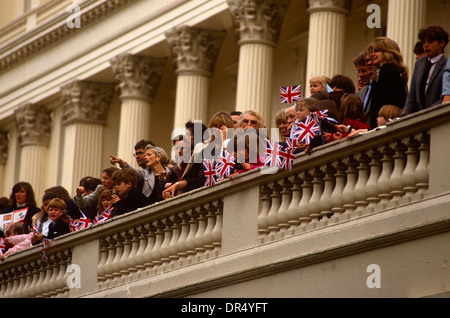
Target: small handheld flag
(290, 94)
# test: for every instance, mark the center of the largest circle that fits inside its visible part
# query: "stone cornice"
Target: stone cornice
(51, 32)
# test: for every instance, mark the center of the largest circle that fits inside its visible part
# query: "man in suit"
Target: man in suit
(426, 83)
(145, 176)
(365, 93)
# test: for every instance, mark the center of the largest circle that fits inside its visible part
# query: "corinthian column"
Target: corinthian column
(85, 111)
(257, 26)
(326, 37)
(194, 53)
(33, 128)
(138, 81)
(404, 20)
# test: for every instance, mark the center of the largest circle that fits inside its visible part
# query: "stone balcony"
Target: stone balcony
(380, 200)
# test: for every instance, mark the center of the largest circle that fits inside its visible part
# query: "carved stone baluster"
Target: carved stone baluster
(159, 237)
(126, 250)
(190, 240)
(22, 280)
(164, 249)
(61, 280)
(109, 269)
(199, 236)
(181, 244)
(422, 167)
(9, 283)
(35, 278)
(28, 280)
(409, 176)
(15, 273)
(336, 197)
(293, 212)
(217, 230)
(102, 260)
(3, 284)
(272, 220)
(325, 201)
(40, 284)
(55, 272)
(360, 194)
(119, 251)
(148, 254)
(397, 172)
(143, 240)
(282, 214)
(348, 198)
(211, 220)
(134, 249)
(384, 182)
(173, 244)
(317, 191)
(306, 196)
(371, 186)
(48, 274)
(264, 210)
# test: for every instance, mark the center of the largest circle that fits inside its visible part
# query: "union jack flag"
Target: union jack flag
(209, 169)
(272, 156)
(44, 249)
(290, 94)
(100, 218)
(305, 131)
(287, 153)
(2, 245)
(291, 142)
(225, 164)
(82, 223)
(318, 115)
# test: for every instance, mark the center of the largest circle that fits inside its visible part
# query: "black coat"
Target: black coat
(134, 200)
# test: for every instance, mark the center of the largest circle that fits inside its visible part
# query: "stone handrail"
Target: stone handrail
(338, 182)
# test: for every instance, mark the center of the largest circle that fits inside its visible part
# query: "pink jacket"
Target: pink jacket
(20, 242)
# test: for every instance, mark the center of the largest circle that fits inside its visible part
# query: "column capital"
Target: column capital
(194, 50)
(33, 124)
(258, 21)
(138, 76)
(3, 147)
(338, 6)
(84, 101)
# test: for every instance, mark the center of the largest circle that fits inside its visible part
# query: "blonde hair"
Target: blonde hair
(321, 79)
(157, 151)
(252, 112)
(391, 52)
(390, 112)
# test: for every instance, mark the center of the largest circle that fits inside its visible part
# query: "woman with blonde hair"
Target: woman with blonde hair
(391, 82)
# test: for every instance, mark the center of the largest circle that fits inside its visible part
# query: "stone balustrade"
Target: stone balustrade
(338, 183)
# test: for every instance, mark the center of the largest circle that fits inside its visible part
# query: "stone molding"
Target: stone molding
(194, 50)
(57, 31)
(338, 6)
(258, 21)
(33, 125)
(84, 101)
(3, 147)
(138, 76)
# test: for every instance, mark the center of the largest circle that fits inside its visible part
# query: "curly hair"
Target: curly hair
(391, 52)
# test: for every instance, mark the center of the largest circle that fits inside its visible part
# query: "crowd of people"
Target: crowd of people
(380, 95)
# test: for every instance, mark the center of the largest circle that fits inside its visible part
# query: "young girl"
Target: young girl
(19, 237)
(105, 201)
(351, 112)
(388, 113)
(246, 151)
(317, 83)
